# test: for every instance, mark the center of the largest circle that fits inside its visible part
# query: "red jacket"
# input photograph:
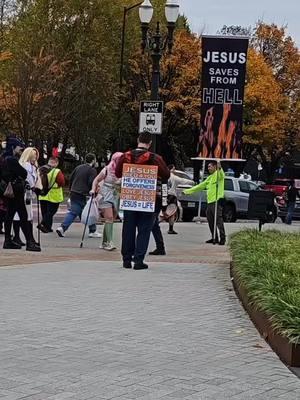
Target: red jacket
(143, 157)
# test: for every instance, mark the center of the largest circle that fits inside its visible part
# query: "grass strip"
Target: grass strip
(268, 266)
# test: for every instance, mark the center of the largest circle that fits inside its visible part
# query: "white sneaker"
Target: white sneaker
(107, 246)
(95, 235)
(60, 232)
(110, 246)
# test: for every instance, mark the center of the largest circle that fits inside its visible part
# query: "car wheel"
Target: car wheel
(187, 216)
(229, 214)
(274, 215)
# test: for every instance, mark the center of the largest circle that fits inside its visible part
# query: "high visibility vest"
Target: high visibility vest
(55, 194)
(214, 185)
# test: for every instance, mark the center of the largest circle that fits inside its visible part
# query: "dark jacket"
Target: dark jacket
(292, 194)
(12, 171)
(81, 179)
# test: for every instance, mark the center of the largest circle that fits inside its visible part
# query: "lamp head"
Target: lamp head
(146, 12)
(172, 11)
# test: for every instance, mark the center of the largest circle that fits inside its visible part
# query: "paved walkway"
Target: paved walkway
(187, 247)
(91, 330)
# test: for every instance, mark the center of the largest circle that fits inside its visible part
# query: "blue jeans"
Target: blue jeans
(135, 247)
(289, 217)
(78, 203)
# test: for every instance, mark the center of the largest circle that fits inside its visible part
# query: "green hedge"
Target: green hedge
(268, 266)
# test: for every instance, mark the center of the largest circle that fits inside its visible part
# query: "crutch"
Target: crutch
(86, 221)
(216, 208)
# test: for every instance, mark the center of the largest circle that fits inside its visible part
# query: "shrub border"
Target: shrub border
(288, 352)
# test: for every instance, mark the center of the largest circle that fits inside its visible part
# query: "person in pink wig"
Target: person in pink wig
(107, 186)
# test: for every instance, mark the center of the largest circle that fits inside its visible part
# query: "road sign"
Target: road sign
(151, 116)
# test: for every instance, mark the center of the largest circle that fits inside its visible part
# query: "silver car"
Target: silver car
(235, 204)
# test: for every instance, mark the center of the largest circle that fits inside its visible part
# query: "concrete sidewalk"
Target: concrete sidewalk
(92, 330)
(186, 247)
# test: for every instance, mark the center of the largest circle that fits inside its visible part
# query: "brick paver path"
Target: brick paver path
(91, 330)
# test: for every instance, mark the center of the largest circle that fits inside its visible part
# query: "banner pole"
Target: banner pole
(216, 208)
(200, 196)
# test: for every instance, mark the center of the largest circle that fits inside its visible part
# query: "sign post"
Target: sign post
(151, 117)
(138, 187)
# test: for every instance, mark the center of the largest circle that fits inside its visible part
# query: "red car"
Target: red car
(279, 186)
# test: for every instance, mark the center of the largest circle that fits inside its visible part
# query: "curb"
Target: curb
(288, 352)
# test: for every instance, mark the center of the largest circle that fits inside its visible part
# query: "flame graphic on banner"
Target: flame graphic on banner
(225, 142)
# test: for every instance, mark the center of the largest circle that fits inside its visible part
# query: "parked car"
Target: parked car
(183, 174)
(235, 205)
(279, 186)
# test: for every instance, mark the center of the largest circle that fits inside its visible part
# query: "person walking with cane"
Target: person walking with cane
(81, 181)
(214, 185)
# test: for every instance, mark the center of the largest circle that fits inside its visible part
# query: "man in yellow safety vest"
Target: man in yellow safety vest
(51, 201)
(214, 185)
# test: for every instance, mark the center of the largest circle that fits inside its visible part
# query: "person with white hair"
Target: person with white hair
(29, 161)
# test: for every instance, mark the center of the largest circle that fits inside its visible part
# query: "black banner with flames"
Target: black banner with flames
(223, 80)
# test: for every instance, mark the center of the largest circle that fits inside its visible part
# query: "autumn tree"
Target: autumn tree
(282, 55)
(179, 89)
(72, 34)
(235, 30)
(271, 113)
(265, 113)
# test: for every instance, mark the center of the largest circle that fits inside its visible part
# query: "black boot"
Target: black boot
(158, 252)
(140, 265)
(16, 238)
(171, 230)
(211, 241)
(32, 246)
(9, 244)
(30, 233)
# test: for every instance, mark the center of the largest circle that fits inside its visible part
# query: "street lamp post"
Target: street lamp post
(156, 43)
(125, 11)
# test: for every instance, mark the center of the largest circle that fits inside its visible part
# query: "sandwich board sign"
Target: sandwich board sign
(138, 187)
(151, 116)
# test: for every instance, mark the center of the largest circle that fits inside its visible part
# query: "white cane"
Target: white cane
(216, 208)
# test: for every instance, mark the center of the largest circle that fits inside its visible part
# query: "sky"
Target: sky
(208, 16)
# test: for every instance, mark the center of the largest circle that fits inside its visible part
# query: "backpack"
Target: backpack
(138, 157)
(44, 171)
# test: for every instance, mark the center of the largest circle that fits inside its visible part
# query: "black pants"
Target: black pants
(16, 205)
(135, 247)
(2, 219)
(48, 210)
(158, 237)
(210, 214)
